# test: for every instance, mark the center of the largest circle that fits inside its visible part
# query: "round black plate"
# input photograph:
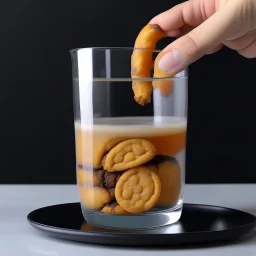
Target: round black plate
(198, 224)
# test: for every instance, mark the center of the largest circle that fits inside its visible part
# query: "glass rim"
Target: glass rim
(125, 48)
(177, 76)
(183, 74)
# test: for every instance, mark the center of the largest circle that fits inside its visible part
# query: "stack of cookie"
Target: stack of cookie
(132, 180)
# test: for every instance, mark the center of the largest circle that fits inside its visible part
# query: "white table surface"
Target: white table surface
(17, 237)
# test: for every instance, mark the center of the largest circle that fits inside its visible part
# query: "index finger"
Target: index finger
(191, 13)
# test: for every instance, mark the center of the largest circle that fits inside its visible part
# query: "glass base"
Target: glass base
(154, 219)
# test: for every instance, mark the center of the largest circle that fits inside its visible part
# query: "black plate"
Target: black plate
(198, 224)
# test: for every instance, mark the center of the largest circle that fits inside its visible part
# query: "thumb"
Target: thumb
(200, 41)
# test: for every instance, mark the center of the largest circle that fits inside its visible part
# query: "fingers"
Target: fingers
(249, 51)
(171, 19)
(245, 45)
(189, 13)
(174, 33)
(242, 42)
(192, 46)
(219, 47)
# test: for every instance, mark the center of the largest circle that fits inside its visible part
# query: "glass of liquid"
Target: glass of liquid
(130, 158)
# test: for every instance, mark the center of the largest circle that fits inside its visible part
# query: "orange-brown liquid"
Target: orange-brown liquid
(93, 142)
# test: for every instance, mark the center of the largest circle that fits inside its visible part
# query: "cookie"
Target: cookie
(154, 162)
(138, 190)
(110, 179)
(91, 145)
(169, 173)
(112, 193)
(100, 178)
(153, 168)
(93, 177)
(94, 198)
(128, 154)
(114, 208)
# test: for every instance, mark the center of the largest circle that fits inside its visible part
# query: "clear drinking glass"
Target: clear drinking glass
(130, 158)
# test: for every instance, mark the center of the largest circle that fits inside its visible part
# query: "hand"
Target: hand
(203, 27)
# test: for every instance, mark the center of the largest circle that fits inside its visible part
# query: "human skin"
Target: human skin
(204, 27)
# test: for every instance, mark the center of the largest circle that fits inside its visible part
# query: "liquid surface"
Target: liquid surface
(93, 140)
(140, 126)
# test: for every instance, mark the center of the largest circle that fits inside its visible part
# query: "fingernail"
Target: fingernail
(170, 61)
